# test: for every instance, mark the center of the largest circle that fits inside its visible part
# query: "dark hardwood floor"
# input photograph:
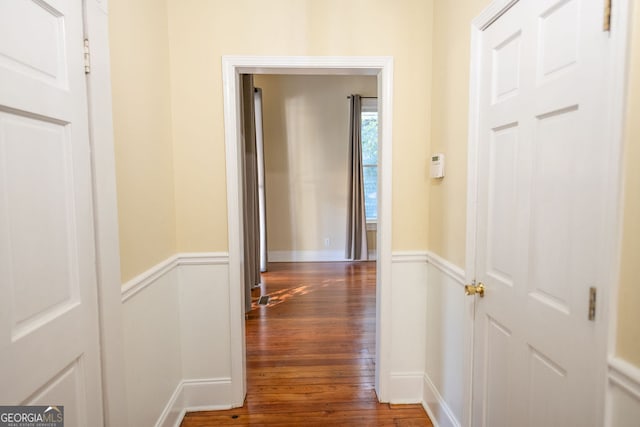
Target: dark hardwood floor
(311, 353)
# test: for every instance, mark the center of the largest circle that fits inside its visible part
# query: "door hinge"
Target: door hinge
(592, 303)
(87, 57)
(606, 24)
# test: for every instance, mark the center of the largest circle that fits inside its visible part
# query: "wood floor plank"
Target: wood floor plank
(311, 353)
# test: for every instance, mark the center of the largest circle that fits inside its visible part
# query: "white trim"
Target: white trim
(382, 66)
(174, 405)
(440, 413)
(310, 65)
(461, 277)
(409, 256)
(618, 371)
(307, 256)
(625, 375)
(189, 394)
(96, 28)
(197, 394)
(623, 393)
(202, 258)
(234, 167)
(384, 233)
(491, 13)
(431, 394)
(195, 390)
(141, 281)
(447, 267)
(621, 15)
(406, 387)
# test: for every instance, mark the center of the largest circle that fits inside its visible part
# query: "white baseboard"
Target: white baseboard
(406, 387)
(313, 256)
(195, 395)
(437, 409)
(306, 256)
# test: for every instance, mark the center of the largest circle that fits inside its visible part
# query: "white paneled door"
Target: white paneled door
(48, 304)
(542, 168)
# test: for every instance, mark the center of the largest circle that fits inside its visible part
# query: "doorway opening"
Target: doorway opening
(233, 67)
(310, 319)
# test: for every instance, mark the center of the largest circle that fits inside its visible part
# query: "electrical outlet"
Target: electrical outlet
(327, 242)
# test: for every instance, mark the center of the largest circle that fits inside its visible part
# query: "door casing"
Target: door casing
(96, 29)
(232, 67)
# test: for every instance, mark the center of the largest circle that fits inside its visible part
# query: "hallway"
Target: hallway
(311, 352)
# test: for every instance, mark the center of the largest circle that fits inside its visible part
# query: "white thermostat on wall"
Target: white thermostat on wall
(437, 165)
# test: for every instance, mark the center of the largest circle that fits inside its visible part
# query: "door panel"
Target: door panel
(37, 177)
(551, 208)
(547, 391)
(559, 38)
(498, 390)
(48, 313)
(501, 224)
(41, 54)
(539, 216)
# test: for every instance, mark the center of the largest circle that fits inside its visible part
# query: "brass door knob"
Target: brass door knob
(474, 289)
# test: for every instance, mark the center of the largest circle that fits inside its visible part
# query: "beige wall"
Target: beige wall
(372, 240)
(306, 131)
(628, 346)
(201, 31)
(152, 106)
(138, 38)
(451, 52)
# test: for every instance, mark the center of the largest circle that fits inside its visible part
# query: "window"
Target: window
(369, 133)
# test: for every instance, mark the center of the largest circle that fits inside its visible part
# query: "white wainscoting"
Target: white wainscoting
(623, 394)
(177, 343)
(408, 324)
(446, 313)
(177, 337)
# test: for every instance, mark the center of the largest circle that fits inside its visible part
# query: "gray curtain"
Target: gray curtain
(356, 220)
(262, 198)
(250, 194)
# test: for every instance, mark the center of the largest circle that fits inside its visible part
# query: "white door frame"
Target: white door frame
(96, 29)
(380, 66)
(614, 123)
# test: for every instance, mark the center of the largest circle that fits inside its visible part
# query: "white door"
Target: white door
(542, 167)
(48, 303)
